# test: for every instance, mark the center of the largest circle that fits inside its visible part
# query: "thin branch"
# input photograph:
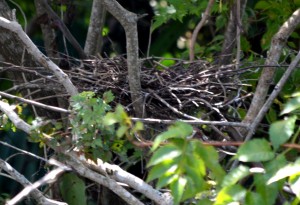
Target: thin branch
(198, 27)
(48, 107)
(192, 122)
(23, 151)
(63, 29)
(38, 55)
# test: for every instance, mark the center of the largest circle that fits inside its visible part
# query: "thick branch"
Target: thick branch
(118, 174)
(266, 78)
(76, 164)
(94, 36)
(38, 55)
(129, 21)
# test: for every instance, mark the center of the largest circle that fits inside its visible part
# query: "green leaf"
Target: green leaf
(262, 5)
(164, 168)
(281, 131)
(109, 119)
(256, 150)
(210, 157)
(269, 192)
(227, 195)
(286, 171)
(108, 97)
(121, 131)
(178, 130)
(253, 198)
(165, 153)
(177, 189)
(235, 175)
(294, 182)
(72, 189)
(291, 105)
(165, 180)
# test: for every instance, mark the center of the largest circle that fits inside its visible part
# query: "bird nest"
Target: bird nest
(182, 90)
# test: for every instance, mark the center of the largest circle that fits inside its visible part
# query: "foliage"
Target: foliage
(72, 189)
(96, 129)
(182, 165)
(176, 10)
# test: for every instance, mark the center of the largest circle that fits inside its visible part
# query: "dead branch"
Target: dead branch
(48, 107)
(48, 178)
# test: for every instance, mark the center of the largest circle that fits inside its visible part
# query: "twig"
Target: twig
(48, 107)
(198, 27)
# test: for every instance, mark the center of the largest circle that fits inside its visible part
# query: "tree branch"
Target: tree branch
(38, 55)
(266, 78)
(129, 22)
(35, 193)
(94, 36)
(272, 97)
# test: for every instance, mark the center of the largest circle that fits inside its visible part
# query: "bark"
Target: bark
(48, 34)
(93, 41)
(230, 33)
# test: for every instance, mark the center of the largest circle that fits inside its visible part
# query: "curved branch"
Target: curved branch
(198, 27)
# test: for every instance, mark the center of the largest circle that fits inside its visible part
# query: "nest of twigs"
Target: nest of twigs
(168, 93)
